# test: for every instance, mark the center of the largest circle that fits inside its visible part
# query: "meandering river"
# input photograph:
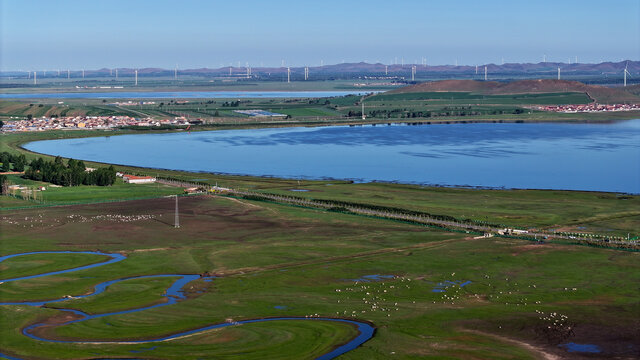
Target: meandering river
(592, 157)
(173, 294)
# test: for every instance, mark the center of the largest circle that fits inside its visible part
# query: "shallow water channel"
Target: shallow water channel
(173, 294)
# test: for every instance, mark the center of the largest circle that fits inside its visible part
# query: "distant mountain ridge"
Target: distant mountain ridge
(393, 69)
(600, 94)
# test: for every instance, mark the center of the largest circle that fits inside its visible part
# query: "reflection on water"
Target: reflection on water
(598, 157)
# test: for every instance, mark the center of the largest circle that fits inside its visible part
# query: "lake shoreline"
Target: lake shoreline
(240, 174)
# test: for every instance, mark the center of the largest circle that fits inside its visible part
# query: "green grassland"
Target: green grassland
(124, 295)
(91, 193)
(450, 97)
(528, 208)
(304, 262)
(43, 263)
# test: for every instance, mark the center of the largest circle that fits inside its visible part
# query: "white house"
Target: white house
(132, 179)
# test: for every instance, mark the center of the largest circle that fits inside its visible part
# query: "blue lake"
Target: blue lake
(181, 94)
(594, 157)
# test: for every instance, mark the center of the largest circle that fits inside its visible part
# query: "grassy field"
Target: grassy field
(307, 262)
(449, 97)
(88, 193)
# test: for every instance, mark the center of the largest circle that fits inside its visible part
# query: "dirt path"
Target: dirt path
(539, 353)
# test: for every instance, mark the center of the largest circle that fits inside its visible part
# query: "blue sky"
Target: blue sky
(49, 34)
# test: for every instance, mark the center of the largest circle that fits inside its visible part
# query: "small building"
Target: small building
(133, 179)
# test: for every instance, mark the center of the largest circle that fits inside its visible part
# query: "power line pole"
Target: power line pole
(177, 220)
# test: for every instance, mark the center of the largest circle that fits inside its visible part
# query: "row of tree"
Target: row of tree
(73, 173)
(11, 162)
(404, 113)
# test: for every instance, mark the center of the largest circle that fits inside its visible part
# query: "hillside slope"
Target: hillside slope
(600, 94)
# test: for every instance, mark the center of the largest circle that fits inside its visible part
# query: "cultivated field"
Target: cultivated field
(455, 100)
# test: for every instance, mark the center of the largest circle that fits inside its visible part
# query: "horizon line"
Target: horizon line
(402, 66)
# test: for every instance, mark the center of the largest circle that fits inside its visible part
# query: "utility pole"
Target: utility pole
(177, 219)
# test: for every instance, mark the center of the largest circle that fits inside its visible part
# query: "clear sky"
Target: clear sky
(47, 34)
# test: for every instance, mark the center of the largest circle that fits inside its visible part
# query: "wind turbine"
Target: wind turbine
(625, 73)
(136, 73)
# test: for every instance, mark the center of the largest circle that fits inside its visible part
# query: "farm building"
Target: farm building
(132, 179)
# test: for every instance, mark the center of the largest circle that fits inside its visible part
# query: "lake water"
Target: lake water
(596, 157)
(182, 94)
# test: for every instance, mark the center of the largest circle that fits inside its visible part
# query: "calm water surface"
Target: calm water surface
(598, 157)
(182, 94)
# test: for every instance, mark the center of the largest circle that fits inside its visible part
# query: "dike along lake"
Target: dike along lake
(593, 157)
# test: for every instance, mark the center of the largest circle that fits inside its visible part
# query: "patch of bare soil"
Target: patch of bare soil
(535, 350)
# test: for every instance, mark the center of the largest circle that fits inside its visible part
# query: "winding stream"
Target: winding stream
(172, 295)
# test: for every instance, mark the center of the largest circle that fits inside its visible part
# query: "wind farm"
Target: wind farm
(354, 180)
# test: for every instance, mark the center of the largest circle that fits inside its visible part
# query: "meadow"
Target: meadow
(441, 294)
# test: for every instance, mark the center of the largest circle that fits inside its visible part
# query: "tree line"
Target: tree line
(11, 162)
(73, 173)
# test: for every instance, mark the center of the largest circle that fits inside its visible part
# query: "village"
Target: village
(587, 108)
(86, 122)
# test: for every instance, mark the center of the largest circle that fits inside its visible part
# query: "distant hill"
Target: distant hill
(378, 69)
(600, 94)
